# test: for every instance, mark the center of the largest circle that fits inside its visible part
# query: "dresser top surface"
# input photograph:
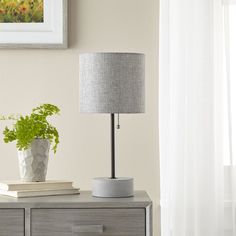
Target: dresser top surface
(84, 199)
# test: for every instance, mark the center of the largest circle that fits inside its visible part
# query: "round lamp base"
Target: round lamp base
(117, 188)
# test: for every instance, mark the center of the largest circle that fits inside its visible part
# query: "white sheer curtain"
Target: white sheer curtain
(230, 77)
(193, 123)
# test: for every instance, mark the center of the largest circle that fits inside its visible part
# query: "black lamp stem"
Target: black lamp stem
(113, 174)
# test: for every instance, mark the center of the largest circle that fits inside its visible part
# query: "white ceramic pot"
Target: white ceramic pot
(33, 162)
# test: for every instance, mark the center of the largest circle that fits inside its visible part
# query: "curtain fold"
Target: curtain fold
(191, 118)
(230, 72)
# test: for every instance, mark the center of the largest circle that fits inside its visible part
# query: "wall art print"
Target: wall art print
(33, 23)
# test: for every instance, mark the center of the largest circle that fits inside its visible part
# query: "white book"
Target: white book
(49, 184)
(39, 193)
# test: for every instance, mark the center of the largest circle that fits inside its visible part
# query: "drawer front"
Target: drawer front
(88, 222)
(12, 222)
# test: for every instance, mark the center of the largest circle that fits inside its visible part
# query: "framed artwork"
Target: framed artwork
(33, 24)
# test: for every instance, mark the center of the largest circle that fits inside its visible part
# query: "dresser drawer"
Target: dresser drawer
(12, 222)
(88, 222)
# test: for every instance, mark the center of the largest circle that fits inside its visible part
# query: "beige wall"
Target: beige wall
(32, 77)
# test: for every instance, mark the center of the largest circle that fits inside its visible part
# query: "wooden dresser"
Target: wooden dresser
(76, 215)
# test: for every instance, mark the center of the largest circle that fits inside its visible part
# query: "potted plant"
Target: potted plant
(33, 135)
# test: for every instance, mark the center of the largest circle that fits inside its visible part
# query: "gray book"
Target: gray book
(49, 184)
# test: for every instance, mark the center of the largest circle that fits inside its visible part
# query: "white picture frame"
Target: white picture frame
(50, 34)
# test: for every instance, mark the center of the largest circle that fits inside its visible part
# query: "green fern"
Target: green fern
(29, 127)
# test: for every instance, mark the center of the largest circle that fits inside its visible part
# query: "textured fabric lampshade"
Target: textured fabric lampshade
(112, 82)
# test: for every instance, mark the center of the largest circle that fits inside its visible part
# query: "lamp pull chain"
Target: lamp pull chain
(118, 119)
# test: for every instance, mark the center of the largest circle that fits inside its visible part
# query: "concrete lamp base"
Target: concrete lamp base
(117, 188)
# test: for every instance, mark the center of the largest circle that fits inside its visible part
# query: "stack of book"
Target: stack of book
(35, 189)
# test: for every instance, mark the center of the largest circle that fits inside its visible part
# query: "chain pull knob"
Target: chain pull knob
(118, 119)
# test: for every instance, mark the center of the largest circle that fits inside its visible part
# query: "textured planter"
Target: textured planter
(33, 162)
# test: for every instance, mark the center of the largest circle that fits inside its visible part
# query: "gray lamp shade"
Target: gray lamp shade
(112, 82)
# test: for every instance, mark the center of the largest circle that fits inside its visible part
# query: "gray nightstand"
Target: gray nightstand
(76, 215)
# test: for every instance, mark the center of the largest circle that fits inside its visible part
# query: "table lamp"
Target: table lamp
(112, 83)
